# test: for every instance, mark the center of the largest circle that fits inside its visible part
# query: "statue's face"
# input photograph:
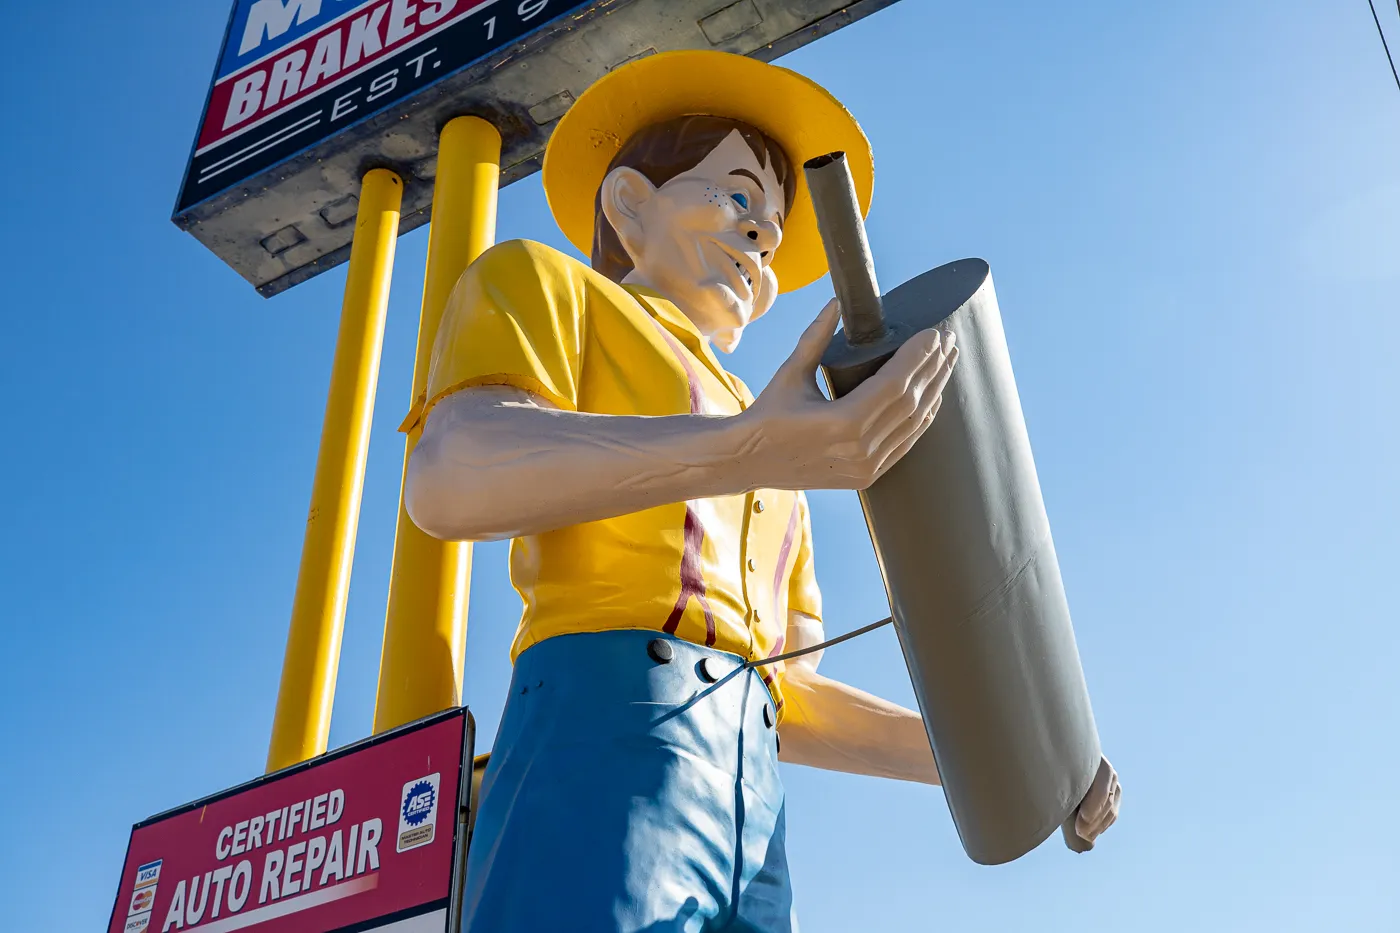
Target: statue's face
(706, 238)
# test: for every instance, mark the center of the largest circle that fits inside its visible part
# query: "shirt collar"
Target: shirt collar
(683, 328)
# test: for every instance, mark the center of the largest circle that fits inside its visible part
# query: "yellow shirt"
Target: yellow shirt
(721, 572)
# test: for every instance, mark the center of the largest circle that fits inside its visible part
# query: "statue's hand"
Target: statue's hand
(1100, 805)
(798, 439)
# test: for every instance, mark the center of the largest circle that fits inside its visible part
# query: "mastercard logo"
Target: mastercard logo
(142, 900)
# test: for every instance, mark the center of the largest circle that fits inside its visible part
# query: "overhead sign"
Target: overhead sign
(295, 72)
(309, 94)
(363, 838)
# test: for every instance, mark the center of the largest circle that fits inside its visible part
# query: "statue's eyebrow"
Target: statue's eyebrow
(748, 174)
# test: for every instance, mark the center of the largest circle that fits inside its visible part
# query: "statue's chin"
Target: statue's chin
(727, 340)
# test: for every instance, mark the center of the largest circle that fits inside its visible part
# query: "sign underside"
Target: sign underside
(310, 94)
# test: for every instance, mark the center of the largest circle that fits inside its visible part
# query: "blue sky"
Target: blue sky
(1192, 212)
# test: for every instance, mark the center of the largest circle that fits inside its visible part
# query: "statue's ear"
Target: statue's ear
(622, 194)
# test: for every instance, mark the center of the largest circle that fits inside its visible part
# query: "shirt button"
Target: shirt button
(753, 565)
(758, 505)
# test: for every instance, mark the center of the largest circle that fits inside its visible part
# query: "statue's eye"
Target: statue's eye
(741, 199)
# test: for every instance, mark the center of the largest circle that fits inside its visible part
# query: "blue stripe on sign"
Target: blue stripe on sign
(261, 27)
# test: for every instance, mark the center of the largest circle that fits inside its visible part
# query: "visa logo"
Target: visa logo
(148, 874)
(269, 19)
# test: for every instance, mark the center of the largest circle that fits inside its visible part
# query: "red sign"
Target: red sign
(342, 48)
(294, 73)
(363, 834)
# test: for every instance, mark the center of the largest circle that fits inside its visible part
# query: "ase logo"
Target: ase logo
(418, 812)
(419, 805)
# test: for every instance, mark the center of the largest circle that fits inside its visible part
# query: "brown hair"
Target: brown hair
(664, 150)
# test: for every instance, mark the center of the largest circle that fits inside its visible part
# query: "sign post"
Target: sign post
(301, 725)
(430, 581)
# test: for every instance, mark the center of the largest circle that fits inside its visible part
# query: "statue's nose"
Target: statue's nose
(765, 233)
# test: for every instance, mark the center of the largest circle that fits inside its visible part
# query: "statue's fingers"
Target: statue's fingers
(897, 446)
(1092, 808)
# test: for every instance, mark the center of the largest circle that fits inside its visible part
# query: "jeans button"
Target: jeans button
(710, 670)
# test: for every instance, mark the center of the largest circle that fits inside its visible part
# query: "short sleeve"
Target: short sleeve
(804, 595)
(742, 388)
(515, 318)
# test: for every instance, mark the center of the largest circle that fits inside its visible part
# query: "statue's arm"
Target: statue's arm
(831, 725)
(498, 461)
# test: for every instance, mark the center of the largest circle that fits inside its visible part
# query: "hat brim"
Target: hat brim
(796, 112)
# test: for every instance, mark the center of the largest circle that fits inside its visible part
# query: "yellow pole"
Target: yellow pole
(302, 723)
(425, 629)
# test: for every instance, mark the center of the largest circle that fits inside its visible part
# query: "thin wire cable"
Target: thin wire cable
(826, 644)
(1385, 45)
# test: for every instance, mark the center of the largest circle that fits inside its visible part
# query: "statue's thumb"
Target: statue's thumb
(814, 341)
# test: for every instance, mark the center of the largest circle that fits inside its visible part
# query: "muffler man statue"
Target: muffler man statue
(661, 538)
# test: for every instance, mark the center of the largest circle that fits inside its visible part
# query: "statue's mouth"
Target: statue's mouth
(745, 274)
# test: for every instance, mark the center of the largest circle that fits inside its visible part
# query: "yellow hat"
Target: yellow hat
(796, 112)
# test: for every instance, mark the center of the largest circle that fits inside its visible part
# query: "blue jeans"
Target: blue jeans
(627, 794)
